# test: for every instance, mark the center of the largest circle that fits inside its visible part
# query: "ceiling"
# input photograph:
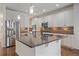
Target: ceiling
(38, 7)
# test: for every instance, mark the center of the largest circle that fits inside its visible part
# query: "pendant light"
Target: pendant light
(31, 9)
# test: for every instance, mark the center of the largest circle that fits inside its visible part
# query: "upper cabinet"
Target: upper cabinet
(63, 18)
(68, 17)
(59, 19)
(56, 20)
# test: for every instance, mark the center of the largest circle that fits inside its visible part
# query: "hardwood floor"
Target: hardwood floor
(11, 51)
(7, 51)
(69, 52)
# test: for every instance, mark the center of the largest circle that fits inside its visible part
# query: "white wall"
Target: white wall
(12, 15)
(76, 28)
(2, 24)
(1, 20)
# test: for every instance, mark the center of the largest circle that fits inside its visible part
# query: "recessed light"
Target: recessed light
(44, 10)
(1, 15)
(57, 5)
(18, 17)
(1, 24)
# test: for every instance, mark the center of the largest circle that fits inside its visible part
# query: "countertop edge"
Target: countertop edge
(37, 44)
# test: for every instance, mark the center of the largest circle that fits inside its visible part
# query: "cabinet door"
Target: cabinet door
(52, 21)
(68, 17)
(52, 49)
(57, 20)
(61, 18)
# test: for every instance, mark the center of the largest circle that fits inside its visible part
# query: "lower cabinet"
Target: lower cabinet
(50, 49)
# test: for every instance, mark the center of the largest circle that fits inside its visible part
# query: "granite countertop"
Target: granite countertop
(33, 40)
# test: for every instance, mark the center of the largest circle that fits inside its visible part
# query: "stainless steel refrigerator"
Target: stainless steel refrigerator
(11, 32)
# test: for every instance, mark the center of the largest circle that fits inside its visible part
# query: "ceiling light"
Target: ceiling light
(31, 9)
(1, 24)
(57, 5)
(18, 17)
(44, 10)
(1, 15)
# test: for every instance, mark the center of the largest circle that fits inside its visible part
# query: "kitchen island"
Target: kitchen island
(45, 44)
